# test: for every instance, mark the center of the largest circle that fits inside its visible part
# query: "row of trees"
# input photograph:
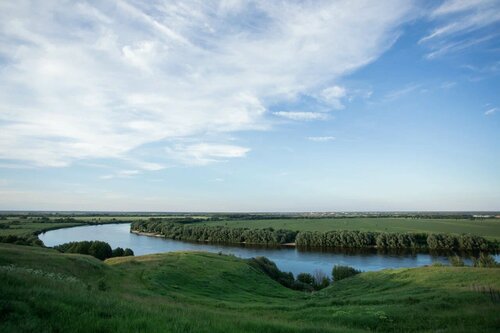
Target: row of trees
(313, 239)
(100, 250)
(215, 234)
(363, 239)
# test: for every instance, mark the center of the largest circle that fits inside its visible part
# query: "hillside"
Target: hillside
(45, 291)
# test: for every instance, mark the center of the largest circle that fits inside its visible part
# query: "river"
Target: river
(288, 259)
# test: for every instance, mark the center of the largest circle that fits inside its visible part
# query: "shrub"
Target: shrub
(320, 280)
(128, 252)
(100, 250)
(269, 268)
(305, 278)
(343, 272)
(456, 261)
(118, 252)
(484, 260)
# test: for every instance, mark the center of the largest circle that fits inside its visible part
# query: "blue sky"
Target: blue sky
(250, 105)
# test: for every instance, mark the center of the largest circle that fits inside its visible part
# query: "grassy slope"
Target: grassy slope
(486, 228)
(201, 292)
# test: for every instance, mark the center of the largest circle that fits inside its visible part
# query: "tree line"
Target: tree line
(315, 239)
(363, 239)
(215, 234)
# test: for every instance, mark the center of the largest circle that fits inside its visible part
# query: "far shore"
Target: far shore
(152, 234)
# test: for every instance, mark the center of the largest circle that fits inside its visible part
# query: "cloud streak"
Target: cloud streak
(456, 21)
(321, 138)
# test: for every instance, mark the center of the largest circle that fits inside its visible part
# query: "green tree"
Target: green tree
(343, 272)
(118, 252)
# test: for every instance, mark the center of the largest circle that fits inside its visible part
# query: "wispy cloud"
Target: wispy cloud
(491, 111)
(456, 20)
(398, 93)
(121, 174)
(300, 115)
(321, 138)
(105, 79)
(205, 153)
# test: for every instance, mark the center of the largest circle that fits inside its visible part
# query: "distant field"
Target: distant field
(489, 228)
(27, 228)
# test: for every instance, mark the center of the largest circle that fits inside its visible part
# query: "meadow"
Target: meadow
(488, 228)
(46, 291)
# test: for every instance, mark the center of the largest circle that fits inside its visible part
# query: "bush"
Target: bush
(484, 260)
(269, 268)
(456, 261)
(343, 272)
(321, 280)
(118, 252)
(100, 250)
(128, 252)
(305, 278)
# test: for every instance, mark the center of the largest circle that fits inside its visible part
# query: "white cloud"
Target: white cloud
(456, 18)
(491, 111)
(94, 80)
(333, 96)
(321, 138)
(205, 153)
(122, 174)
(300, 115)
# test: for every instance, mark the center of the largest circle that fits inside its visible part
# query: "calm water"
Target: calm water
(287, 259)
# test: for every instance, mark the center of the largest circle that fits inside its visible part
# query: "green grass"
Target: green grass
(489, 228)
(199, 292)
(28, 228)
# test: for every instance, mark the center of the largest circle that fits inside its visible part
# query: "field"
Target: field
(45, 291)
(488, 228)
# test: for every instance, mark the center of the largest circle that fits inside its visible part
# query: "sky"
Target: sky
(250, 105)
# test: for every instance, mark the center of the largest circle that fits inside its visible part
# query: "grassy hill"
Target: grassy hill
(45, 291)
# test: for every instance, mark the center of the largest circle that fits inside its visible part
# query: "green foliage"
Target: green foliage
(320, 280)
(365, 239)
(269, 268)
(118, 252)
(305, 278)
(343, 272)
(98, 249)
(484, 260)
(456, 261)
(218, 234)
(21, 240)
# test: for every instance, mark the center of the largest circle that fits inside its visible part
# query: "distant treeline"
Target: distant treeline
(362, 239)
(312, 239)
(215, 234)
